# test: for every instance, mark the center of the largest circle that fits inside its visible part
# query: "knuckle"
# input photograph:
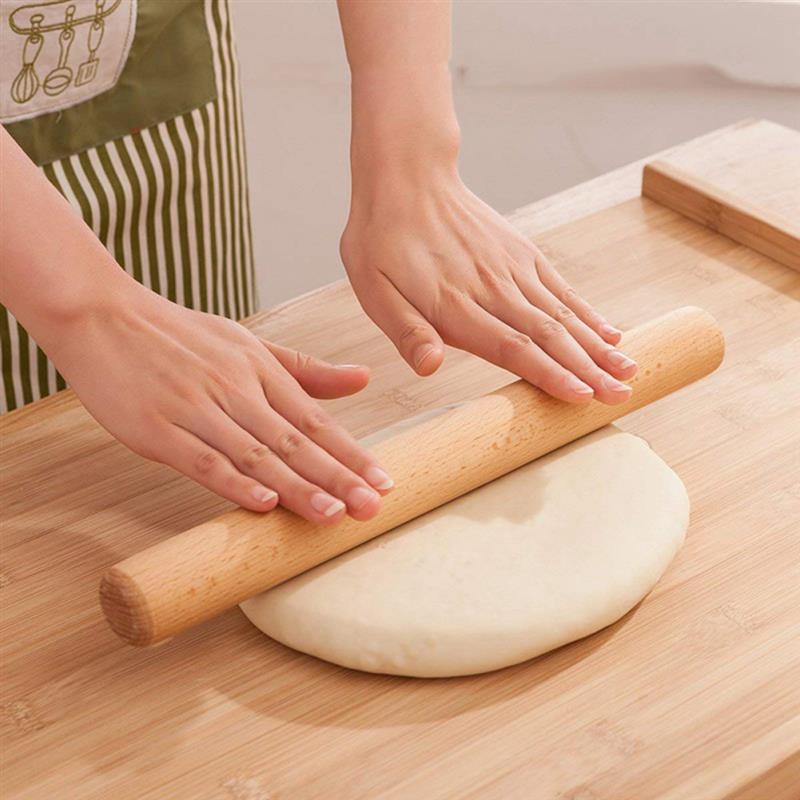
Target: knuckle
(206, 462)
(289, 444)
(513, 344)
(411, 332)
(255, 455)
(314, 421)
(569, 296)
(551, 329)
(564, 313)
(302, 361)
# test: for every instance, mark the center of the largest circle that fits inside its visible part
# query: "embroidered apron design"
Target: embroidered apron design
(56, 45)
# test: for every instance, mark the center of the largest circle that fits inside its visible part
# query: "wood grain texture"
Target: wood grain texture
(691, 696)
(743, 221)
(760, 164)
(213, 567)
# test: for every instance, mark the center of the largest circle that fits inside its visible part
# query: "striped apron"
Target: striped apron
(132, 109)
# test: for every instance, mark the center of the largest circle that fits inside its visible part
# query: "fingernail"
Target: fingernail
(612, 384)
(620, 359)
(579, 387)
(325, 504)
(349, 366)
(610, 330)
(359, 497)
(422, 353)
(376, 477)
(263, 495)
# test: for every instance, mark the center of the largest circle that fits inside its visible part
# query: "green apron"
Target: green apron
(133, 111)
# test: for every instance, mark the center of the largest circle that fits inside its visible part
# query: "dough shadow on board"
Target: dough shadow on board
(330, 696)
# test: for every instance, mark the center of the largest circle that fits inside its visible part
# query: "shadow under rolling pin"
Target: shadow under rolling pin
(207, 569)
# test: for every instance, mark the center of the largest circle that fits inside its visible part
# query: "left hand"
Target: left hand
(432, 264)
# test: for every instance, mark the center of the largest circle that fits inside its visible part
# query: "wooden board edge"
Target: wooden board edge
(611, 188)
(768, 233)
(781, 782)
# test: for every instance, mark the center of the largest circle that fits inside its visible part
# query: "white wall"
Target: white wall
(549, 94)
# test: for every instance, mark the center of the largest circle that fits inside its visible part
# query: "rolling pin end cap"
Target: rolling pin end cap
(125, 608)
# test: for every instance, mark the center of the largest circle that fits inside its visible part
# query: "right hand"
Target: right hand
(432, 264)
(210, 399)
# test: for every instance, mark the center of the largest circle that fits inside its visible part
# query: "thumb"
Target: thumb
(320, 378)
(414, 337)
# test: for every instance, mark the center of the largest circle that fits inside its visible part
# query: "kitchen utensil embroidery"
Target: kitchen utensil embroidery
(45, 37)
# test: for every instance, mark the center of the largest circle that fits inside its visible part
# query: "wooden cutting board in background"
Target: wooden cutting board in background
(694, 694)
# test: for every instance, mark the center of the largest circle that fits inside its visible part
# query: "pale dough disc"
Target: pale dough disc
(540, 557)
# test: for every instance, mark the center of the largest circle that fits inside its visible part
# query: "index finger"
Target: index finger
(585, 311)
(484, 335)
(291, 402)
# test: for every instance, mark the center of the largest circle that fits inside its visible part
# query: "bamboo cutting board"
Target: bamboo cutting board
(694, 694)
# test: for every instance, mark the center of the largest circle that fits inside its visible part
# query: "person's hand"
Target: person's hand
(207, 397)
(432, 263)
(191, 390)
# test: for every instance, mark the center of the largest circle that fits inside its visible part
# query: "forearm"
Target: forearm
(402, 104)
(54, 269)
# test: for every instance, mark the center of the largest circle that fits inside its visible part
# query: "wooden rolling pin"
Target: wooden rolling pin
(203, 571)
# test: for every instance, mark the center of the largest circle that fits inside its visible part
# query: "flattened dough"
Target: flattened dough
(545, 555)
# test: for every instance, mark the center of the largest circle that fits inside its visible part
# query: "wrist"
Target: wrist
(52, 280)
(85, 296)
(403, 121)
